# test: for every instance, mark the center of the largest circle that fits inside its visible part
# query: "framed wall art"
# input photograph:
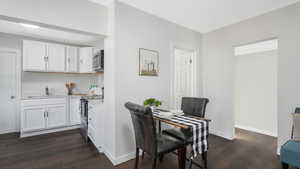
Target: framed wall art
(148, 62)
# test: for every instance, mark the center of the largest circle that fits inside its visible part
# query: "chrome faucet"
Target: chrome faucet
(47, 91)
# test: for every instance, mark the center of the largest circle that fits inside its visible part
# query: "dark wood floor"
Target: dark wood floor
(67, 150)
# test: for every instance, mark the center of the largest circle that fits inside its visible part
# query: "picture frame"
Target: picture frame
(148, 62)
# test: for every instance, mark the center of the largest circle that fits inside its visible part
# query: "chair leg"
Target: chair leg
(137, 158)
(285, 165)
(204, 157)
(143, 154)
(154, 163)
(161, 158)
(190, 164)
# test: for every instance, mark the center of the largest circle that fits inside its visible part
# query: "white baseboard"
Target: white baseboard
(256, 130)
(109, 156)
(124, 158)
(221, 135)
(9, 131)
(29, 134)
(119, 160)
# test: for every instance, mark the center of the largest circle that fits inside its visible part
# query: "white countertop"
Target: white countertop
(43, 97)
(60, 96)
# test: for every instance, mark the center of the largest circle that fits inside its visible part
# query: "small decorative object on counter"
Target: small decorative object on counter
(153, 103)
(70, 86)
(95, 90)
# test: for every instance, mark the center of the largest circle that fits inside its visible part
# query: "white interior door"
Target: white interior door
(183, 79)
(8, 89)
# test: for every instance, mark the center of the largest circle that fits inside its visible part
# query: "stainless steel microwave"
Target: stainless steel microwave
(98, 61)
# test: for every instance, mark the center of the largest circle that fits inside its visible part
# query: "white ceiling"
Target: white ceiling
(46, 33)
(205, 15)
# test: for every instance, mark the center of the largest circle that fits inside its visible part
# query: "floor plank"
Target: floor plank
(67, 150)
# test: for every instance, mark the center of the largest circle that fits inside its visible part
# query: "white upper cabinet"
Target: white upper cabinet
(51, 57)
(86, 60)
(34, 56)
(56, 56)
(72, 59)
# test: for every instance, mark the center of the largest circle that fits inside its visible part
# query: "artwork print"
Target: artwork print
(148, 65)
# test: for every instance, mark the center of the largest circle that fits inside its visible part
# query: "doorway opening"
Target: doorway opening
(255, 87)
(184, 80)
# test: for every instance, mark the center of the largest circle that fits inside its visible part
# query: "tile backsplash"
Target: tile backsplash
(35, 83)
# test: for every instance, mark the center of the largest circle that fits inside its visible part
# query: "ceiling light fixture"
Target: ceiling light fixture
(30, 26)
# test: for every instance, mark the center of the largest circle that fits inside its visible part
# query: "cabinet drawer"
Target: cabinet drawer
(39, 102)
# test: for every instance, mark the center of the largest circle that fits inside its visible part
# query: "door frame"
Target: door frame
(18, 85)
(195, 78)
(233, 126)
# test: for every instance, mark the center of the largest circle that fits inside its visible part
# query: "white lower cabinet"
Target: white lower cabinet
(33, 118)
(74, 109)
(43, 114)
(95, 122)
(56, 115)
(40, 116)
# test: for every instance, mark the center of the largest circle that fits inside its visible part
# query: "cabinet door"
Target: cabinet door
(86, 60)
(72, 59)
(34, 55)
(75, 117)
(33, 118)
(56, 58)
(56, 116)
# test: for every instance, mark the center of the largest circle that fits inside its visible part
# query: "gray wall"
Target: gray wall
(136, 29)
(283, 24)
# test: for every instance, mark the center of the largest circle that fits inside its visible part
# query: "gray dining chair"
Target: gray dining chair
(194, 107)
(147, 139)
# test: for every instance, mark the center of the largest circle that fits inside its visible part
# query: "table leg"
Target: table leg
(159, 127)
(181, 157)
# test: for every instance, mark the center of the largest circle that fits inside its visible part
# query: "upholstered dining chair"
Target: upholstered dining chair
(147, 139)
(290, 151)
(194, 107)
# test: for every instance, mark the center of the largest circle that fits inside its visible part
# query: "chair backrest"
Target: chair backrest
(194, 106)
(297, 110)
(144, 128)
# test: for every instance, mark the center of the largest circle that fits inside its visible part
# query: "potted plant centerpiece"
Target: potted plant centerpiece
(152, 103)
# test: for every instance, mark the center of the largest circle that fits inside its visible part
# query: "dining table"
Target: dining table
(182, 151)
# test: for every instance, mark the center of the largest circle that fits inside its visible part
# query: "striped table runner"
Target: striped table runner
(199, 128)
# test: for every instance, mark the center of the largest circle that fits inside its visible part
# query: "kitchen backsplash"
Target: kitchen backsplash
(35, 83)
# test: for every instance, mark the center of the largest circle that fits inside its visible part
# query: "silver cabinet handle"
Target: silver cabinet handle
(46, 114)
